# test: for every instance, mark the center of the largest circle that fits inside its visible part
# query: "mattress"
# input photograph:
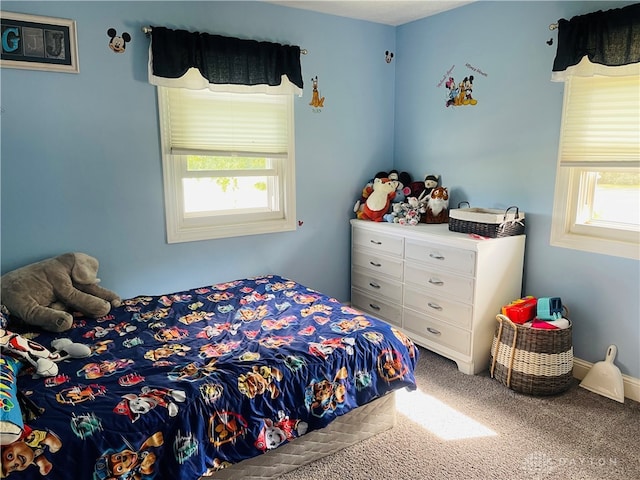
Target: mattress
(349, 429)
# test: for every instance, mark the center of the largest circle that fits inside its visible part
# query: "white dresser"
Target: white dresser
(442, 288)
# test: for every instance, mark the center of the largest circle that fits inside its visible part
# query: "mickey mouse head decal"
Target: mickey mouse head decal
(118, 43)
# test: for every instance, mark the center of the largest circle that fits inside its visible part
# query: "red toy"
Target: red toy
(521, 310)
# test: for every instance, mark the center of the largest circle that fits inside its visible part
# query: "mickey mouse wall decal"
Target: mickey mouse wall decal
(118, 43)
(388, 56)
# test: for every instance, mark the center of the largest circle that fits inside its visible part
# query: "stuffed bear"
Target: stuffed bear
(39, 294)
(377, 204)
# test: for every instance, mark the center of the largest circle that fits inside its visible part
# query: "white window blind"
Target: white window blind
(202, 122)
(601, 122)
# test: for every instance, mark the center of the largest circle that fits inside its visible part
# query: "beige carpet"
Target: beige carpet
(471, 427)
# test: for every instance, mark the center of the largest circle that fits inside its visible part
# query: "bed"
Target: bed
(211, 382)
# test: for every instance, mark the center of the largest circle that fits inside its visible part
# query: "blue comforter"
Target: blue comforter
(184, 384)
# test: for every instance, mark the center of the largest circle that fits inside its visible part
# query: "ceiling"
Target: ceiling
(387, 12)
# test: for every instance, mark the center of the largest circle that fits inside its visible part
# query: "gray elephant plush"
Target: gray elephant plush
(43, 293)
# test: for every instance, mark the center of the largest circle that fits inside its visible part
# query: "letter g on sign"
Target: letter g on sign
(10, 39)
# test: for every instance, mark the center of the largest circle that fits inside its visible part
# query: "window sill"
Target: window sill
(591, 244)
(179, 234)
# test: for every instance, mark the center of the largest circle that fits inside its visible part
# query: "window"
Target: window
(228, 163)
(597, 195)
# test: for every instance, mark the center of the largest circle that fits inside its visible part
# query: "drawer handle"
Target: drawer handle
(375, 242)
(374, 285)
(375, 307)
(433, 331)
(436, 256)
(435, 306)
(375, 264)
(436, 282)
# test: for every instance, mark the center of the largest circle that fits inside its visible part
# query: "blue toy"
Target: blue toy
(549, 308)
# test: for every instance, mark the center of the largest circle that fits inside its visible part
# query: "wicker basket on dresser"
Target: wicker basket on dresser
(441, 288)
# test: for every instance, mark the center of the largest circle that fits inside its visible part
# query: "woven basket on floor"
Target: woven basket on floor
(530, 360)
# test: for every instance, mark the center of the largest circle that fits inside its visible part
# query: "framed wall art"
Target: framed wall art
(38, 43)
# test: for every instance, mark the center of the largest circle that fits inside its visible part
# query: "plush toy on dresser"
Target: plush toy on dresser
(396, 212)
(421, 190)
(437, 206)
(406, 213)
(366, 191)
(378, 202)
(402, 190)
(412, 212)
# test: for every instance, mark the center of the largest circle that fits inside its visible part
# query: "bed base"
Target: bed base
(349, 429)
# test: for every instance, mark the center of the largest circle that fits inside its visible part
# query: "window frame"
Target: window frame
(575, 184)
(186, 227)
(567, 232)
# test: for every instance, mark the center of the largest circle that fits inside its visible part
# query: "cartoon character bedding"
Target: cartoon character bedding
(178, 386)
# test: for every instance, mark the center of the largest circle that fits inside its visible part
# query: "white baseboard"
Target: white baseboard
(631, 384)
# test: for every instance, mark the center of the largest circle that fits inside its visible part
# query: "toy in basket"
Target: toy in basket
(487, 222)
(529, 360)
(521, 310)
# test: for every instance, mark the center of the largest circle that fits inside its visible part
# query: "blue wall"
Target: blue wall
(503, 150)
(81, 167)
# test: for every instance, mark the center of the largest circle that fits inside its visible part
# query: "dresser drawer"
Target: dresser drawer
(376, 285)
(386, 244)
(455, 259)
(439, 282)
(380, 264)
(437, 332)
(455, 313)
(389, 312)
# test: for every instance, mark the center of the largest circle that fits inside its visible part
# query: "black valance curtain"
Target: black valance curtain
(223, 60)
(610, 38)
